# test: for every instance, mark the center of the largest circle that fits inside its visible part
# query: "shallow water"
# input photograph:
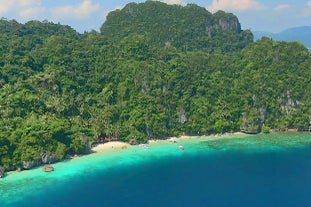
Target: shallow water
(243, 170)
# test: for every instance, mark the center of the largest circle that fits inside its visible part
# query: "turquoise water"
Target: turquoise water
(242, 170)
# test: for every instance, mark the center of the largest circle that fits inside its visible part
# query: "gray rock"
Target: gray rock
(133, 141)
(251, 130)
(182, 116)
(2, 172)
(251, 127)
(252, 121)
(231, 25)
(47, 158)
(26, 165)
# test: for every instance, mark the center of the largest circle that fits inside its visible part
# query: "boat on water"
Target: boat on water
(144, 146)
(48, 168)
(181, 147)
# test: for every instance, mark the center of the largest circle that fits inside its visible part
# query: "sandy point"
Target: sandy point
(111, 145)
(185, 137)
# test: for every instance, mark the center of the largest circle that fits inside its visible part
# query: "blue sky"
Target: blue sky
(85, 15)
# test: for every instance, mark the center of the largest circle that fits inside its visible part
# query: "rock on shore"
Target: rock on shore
(26, 165)
(2, 172)
(48, 158)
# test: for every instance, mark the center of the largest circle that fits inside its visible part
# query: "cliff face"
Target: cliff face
(189, 28)
(227, 22)
(48, 158)
(230, 25)
(30, 164)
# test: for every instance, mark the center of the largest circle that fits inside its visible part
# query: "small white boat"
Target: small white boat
(144, 146)
(181, 147)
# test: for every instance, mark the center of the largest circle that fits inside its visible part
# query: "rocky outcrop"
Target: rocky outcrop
(26, 165)
(137, 139)
(87, 149)
(48, 158)
(251, 129)
(2, 172)
(131, 9)
(231, 25)
(288, 103)
(252, 121)
(134, 141)
(228, 22)
(182, 116)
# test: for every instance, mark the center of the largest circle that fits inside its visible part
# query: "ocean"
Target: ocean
(239, 170)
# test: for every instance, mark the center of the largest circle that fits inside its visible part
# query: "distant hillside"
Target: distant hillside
(301, 34)
(185, 27)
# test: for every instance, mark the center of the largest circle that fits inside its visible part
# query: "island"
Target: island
(152, 71)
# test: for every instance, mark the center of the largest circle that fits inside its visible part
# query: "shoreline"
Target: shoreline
(124, 145)
(118, 146)
(188, 137)
(134, 161)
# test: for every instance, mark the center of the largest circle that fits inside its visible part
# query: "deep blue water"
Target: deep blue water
(223, 178)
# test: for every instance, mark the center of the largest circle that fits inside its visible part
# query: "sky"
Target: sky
(86, 15)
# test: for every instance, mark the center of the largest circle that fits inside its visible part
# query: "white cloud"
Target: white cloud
(84, 9)
(235, 5)
(174, 1)
(31, 12)
(307, 11)
(282, 7)
(6, 6)
(24, 8)
(24, 3)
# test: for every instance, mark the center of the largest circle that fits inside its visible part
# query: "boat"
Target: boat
(48, 168)
(144, 146)
(181, 147)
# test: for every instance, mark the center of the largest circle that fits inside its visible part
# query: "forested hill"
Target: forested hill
(187, 28)
(60, 91)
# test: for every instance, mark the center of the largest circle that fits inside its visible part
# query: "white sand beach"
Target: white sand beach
(124, 145)
(186, 137)
(111, 145)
